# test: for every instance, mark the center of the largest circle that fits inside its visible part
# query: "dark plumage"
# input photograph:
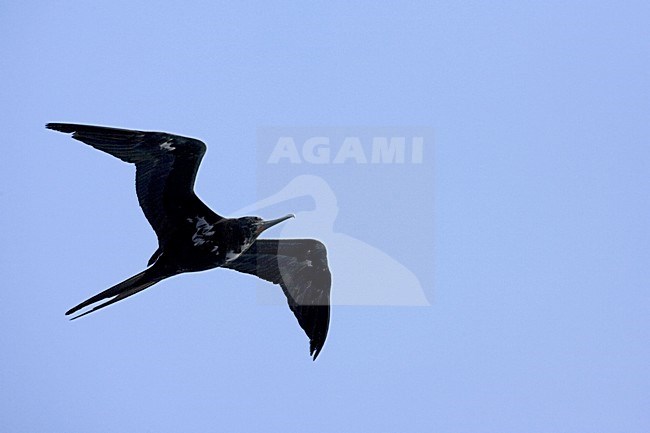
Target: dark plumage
(191, 237)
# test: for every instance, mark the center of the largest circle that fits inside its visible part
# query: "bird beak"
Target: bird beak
(268, 224)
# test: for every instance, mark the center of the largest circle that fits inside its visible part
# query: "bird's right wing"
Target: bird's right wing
(300, 267)
(166, 167)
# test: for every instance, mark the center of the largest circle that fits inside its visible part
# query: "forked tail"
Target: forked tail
(126, 288)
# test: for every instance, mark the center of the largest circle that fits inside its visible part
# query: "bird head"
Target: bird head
(256, 225)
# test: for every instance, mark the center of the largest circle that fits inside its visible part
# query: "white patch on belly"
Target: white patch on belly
(167, 145)
(231, 255)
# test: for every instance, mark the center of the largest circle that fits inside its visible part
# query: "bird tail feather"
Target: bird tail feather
(126, 288)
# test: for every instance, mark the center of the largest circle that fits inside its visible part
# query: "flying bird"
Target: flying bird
(191, 237)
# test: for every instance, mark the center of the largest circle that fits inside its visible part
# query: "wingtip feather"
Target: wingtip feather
(315, 348)
(61, 127)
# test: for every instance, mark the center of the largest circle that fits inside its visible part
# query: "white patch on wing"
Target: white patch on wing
(167, 145)
(198, 240)
(203, 230)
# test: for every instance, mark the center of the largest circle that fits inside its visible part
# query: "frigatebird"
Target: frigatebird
(191, 237)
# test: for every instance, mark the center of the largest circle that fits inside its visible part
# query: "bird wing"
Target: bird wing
(300, 267)
(166, 167)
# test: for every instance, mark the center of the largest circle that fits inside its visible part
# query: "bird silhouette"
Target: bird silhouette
(191, 237)
(384, 280)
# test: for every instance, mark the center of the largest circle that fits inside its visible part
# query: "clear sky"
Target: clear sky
(526, 226)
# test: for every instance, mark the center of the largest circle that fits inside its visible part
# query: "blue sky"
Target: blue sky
(533, 240)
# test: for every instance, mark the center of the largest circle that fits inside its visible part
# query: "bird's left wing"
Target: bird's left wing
(300, 267)
(166, 167)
